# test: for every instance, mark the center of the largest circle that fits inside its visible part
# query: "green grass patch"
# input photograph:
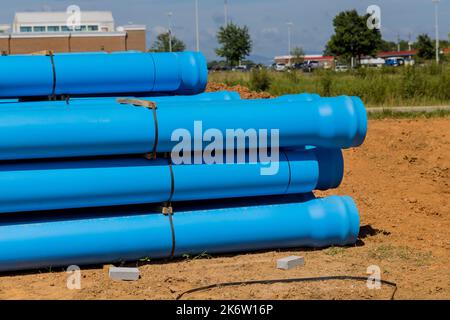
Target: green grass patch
(333, 251)
(203, 255)
(389, 252)
(380, 87)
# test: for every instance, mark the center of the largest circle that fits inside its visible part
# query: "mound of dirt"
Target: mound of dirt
(245, 92)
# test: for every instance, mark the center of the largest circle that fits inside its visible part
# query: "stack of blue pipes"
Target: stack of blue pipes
(87, 174)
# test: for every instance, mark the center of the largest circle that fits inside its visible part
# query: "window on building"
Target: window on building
(92, 28)
(39, 29)
(81, 28)
(53, 29)
(26, 29)
(65, 29)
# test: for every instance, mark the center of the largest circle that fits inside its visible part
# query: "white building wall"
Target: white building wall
(92, 21)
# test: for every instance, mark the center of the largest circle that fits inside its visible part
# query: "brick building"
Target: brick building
(39, 31)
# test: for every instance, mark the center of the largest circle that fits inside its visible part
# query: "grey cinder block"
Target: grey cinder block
(290, 262)
(124, 274)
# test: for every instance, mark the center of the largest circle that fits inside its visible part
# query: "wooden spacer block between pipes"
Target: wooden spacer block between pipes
(124, 274)
(43, 53)
(290, 262)
(137, 102)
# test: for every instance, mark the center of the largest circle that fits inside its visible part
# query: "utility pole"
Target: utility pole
(197, 32)
(398, 42)
(409, 41)
(436, 20)
(289, 25)
(226, 12)
(169, 16)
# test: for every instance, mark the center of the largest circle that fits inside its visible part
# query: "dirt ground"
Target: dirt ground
(243, 91)
(400, 179)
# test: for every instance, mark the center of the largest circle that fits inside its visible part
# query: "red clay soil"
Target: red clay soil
(245, 92)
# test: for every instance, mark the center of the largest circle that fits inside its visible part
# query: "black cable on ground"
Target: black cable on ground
(290, 280)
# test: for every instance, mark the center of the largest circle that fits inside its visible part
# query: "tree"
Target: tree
(388, 46)
(298, 55)
(424, 46)
(162, 44)
(352, 37)
(236, 43)
(393, 46)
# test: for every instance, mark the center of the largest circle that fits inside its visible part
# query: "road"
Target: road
(409, 109)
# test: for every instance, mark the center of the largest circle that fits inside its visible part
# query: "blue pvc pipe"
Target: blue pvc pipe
(8, 101)
(108, 128)
(23, 76)
(107, 101)
(299, 97)
(32, 186)
(206, 96)
(98, 239)
(97, 74)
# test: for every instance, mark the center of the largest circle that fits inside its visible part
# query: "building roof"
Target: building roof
(404, 53)
(131, 27)
(38, 35)
(315, 57)
(61, 17)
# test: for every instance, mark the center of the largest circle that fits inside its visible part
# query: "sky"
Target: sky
(266, 19)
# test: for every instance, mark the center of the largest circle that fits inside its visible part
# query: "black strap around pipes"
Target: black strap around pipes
(155, 144)
(52, 60)
(170, 210)
(149, 105)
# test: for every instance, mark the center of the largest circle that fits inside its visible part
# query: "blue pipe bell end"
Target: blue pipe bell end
(331, 168)
(361, 116)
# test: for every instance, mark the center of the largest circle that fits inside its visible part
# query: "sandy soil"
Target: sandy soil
(400, 180)
(243, 91)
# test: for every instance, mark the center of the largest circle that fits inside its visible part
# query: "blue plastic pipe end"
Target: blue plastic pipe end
(353, 219)
(341, 215)
(194, 72)
(331, 168)
(361, 116)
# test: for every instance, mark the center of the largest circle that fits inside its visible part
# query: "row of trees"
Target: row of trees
(235, 43)
(351, 39)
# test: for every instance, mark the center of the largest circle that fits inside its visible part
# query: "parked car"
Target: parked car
(298, 66)
(394, 62)
(240, 68)
(280, 67)
(310, 65)
(341, 68)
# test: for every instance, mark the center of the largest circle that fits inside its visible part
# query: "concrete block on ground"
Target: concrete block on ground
(290, 262)
(124, 274)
